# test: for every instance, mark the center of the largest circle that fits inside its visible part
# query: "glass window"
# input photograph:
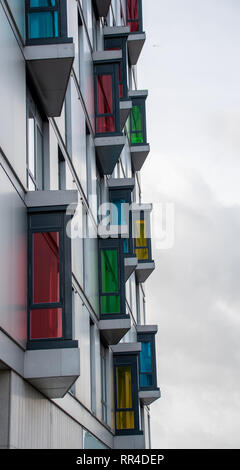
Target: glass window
(105, 117)
(46, 267)
(136, 125)
(109, 261)
(133, 15)
(46, 323)
(124, 413)
(146, 377)
(141, 241)
(34, 147)
(43, 19)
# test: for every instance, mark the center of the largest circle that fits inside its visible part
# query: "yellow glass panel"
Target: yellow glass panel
(140, 233)
(124, 387)
(125, 420)
(142, 253)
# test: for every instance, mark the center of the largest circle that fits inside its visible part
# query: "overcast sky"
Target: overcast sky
(190, 64)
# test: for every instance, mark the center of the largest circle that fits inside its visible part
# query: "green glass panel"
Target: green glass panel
(136, 118)
(137, 127)
(110, 304)
(109, 264)
(137, 138)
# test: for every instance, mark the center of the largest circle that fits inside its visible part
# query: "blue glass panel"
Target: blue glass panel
(145, 357)
(125, 245)
(41, 25)
(56, 23)
(118, 216)
(146, 380)
(42, 3)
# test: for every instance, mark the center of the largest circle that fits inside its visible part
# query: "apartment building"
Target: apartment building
(77, 354)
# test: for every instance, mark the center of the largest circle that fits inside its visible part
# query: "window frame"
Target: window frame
(142, 338)
(112, 244)
(142, 215)
(110, 68)
(52, 219)
(38, 126)
(115, 194)
(61, 8)
(125, 360)
(138, 101)
(119, 43)
(140, 18)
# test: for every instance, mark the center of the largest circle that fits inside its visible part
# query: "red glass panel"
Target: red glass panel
(133, 15)
(46, 267)
(105, 124)
(46, 323)
(104, 94)
(119, 71)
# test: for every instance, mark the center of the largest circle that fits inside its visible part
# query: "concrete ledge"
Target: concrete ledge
(106, 56)
(52, 371)
(50, 66)
(113, 330)
(121, 183)
(108, 150)
(147, 329)
(139, 154)
(126, 348)
(116, 30)
(143, 271)
(135, 441)
(138, 93)
(149, 396)
(130, 265)
(51, 198)
(102, 7)
(135, 45)
(125, 108)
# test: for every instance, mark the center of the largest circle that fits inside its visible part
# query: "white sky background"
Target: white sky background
(190, 64)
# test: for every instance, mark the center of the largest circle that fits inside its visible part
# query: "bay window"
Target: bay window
(49, 284)
(45, 20)
(112, 293)
(126, 394)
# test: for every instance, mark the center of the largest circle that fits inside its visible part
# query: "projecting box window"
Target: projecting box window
(49, 291)
(134, 15)
(147, 368)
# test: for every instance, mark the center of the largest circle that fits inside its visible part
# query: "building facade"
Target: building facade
(77, 355)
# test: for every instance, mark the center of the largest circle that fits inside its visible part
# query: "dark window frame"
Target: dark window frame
(115, 194)
(115, 43)
(149, 337)
(38, 221)
(140, 17)
(61, 8)
(112, 244)
(132, 360)
(139, 101)
(108, 68)
(142, 215)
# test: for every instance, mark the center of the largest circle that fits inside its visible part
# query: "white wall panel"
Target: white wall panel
(13, 256)
(37, 423)
(12, 99)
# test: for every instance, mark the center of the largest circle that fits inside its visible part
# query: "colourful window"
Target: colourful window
(46, 267)
(136, 125)
(110, 298)
(142, 252)
(125, 412)
(146, 376)
(43, 19)
(105, 117)
(133, 15)
(46, 322)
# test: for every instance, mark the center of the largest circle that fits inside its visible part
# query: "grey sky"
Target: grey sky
(190, 65)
